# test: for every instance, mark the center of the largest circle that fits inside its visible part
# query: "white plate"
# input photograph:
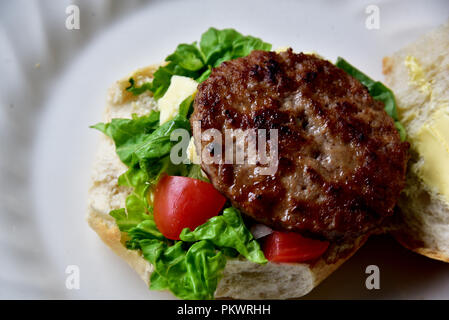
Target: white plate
(53, 86)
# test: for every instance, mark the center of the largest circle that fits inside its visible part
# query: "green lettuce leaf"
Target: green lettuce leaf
(188, 57)
(195, 62)
(191, 273)
(377, 90)
(186, 107)
(141, 143)
(401, 129)
(227, 231)
(162, 77)
(136, 179)
(144, 230)
(227, 44)
(158, 144)
(136, 208)
(129, 133)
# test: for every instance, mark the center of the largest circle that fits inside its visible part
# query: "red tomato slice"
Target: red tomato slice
(181, 202)
(292, 247)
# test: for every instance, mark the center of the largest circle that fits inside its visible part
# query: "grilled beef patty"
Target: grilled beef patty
(341, 164)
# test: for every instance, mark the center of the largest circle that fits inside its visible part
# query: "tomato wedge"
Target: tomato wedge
(292, 247)
(181, 202)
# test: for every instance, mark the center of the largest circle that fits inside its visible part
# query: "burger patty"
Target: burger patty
(341, 164)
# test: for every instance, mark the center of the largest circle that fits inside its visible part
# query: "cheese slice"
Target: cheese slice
(192, 155)
(180, 88)
(432, 143)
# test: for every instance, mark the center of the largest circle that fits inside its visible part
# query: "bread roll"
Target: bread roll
(242, 279)
(419, 76)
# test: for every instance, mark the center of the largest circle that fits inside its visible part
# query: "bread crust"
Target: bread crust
(423, 224)
(241, 279)
(410, 243)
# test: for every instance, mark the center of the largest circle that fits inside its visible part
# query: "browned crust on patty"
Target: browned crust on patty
(341, 162)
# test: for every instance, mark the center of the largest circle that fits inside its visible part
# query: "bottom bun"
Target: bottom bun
(241, 279)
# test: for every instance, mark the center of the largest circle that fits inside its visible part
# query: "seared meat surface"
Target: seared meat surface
(341, 164)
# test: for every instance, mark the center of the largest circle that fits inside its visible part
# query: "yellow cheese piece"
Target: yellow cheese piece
(180, 88)
(192, 155)
(432, 143)
(281, 49)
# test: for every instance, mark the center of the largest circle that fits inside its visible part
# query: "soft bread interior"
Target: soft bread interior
(424, 223)
(241, 279)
